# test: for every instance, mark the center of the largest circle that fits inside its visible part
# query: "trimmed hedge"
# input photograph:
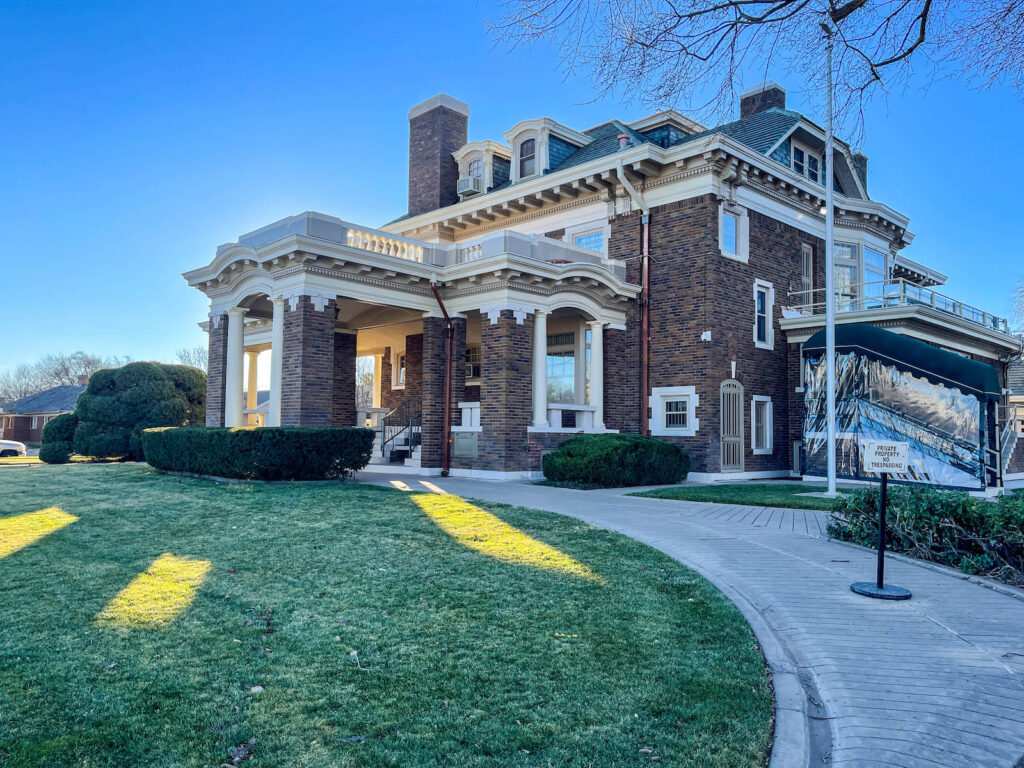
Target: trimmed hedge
(948, 527)
(58, 434)
(260, 453)
(614, 460)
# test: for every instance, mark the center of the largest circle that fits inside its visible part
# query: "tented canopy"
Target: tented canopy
(904, 353)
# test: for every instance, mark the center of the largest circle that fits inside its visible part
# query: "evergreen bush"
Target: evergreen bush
(616, 460)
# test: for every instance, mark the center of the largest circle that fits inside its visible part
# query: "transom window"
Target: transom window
(527, 158)
(472, 362)
(677, 414)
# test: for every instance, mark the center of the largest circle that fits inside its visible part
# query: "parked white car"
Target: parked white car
(11, 448)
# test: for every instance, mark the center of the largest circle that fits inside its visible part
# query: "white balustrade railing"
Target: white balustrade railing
(894, 293)
(388, 245)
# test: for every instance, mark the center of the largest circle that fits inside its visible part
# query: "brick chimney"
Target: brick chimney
(762, 97)
(437, 127)
(83, 379)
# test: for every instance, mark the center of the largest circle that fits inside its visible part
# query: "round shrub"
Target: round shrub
(56, 452)
(613, 461)
(260, 453)
(121, 402)
(60, 429)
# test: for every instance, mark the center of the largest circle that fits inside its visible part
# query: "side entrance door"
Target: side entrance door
(732, 426)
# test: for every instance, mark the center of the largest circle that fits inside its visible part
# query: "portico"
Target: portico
(529, 319)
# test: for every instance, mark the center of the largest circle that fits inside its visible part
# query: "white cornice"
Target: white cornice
(483, 147)
(549, 125)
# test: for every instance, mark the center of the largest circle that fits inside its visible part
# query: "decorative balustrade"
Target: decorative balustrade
(496, 244)
(894, 293)
(388, 245)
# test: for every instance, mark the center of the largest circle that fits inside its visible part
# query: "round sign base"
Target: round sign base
(888, 592)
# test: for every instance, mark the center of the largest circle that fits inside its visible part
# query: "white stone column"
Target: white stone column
(276, 363)
(234, 368)
(540, 369)
(597, 372)
(252, 385)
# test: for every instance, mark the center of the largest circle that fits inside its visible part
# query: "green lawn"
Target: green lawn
(750, 494)
(141, 615)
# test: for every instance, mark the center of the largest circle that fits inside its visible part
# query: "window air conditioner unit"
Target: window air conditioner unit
(470, 185)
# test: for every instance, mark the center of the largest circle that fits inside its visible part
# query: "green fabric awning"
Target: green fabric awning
(936, 365)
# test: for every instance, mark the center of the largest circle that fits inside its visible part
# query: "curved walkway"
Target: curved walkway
(936, 681)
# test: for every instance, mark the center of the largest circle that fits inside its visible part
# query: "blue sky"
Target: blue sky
(140, 136)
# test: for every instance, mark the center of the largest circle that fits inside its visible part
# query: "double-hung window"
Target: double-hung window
(808, 164)
(476, 167)
(806, 273)
(527, 158)
(764, 301)
(761, 424)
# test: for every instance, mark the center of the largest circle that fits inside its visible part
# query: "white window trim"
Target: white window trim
(753, 425)
(795, 145)
(540, 151)
(742, 232)
(395, 355)
(35, 422)
(661, 395)
(769, 289)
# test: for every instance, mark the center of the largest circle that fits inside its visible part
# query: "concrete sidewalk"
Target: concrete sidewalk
(936, 681)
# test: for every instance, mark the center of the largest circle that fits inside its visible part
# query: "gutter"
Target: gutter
(645, 297)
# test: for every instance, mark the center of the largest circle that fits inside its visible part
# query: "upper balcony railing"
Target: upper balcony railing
(505, 242)
(894, 293)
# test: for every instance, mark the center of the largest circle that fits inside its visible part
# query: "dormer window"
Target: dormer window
(807, 164)
(476, 167)
(527, 158)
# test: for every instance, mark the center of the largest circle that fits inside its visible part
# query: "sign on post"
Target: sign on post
(882, 457)
(886, 456)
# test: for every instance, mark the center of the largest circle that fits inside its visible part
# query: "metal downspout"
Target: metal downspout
(645, 300)
(449, 351)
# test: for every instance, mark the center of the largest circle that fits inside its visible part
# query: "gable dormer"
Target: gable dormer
(540, 145)
(483, 166)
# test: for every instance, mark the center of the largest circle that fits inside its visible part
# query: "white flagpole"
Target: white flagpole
(830, 297)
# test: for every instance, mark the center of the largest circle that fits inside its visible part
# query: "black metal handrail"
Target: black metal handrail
(401, 421)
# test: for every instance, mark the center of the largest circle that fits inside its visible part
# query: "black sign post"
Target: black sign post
(880, 589)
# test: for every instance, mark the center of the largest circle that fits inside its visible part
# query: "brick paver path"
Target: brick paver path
(936, 681)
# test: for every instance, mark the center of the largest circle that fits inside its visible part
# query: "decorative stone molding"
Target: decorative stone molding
(318, 300)
(519, 312)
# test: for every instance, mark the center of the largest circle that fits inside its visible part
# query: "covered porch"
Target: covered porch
(354, 326)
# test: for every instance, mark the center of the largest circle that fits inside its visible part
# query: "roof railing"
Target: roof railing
(897, 292)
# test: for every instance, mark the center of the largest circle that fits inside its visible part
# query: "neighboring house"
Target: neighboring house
(23, 420)
(557, 252)
(1015, 385)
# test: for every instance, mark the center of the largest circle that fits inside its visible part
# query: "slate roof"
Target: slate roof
(1015, 378)
(48, 401)
(760, 131)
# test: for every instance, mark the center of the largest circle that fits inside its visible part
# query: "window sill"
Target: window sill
(395, 387)
(467, 429)
(735, 257)
(673, 432)
(568, 431)
(770, 346)
(762, 452)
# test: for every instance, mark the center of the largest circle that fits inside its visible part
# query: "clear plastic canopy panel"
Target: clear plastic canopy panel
(878, 401)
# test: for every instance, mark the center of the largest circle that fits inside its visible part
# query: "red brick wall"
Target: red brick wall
(505, 396)
(217, 359)
(432, 363)
(343, 398)
(307, 389)
(695, 289)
